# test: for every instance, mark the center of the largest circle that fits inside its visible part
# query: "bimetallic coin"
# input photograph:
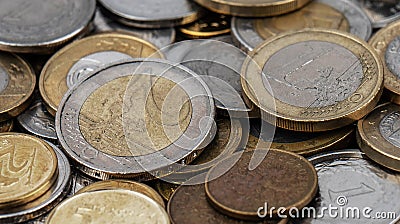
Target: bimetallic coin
(378, 135)
(253, 8)
(159, 37)
(380, 12)
(84, 56)
(153, 13)
(166, 189)
(6, 126)
(47, 201)
(40, 26)
(282, 179)
(120, 206)
(17, 82)
(336, 82)
(209, 26)
(29, 169)
(386, 43)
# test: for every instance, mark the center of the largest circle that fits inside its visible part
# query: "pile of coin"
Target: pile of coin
(199, 111)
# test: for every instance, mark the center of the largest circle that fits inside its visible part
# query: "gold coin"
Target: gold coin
(252, 8)
(208, 26)
(29, 169)
(17, 82)
(378, 135)
(313, 80)
(386, 43)
(166, 189)
(6, 126)
(109, 206)
(124, 184)
(59, 74)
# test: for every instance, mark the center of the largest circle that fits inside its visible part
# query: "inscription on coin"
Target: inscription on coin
(393, 56)
(390, 128)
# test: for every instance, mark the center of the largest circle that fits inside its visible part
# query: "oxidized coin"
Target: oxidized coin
(17, 82)
(252, 8)
(40, 26)
(153, 13)
(336, 82)
(166, 189)
(347, 181)
(29, 169)
(48, 200)
(124, 184)
(379, 135)
(78, 59)
(6, 126)
(189, 204)
(209, 26)
(386, 43)
(159, 37)
(118, 206)
(381, 12)
(282, 179)
(136, 118)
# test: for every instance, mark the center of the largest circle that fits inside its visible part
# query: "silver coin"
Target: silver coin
(120, 124)
(79, 181)
(159, 37)
(381, 12)
(38, 26)
(153, 13)
(348, 180)
(45, 202)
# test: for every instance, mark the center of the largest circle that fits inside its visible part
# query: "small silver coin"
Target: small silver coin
(381, 12)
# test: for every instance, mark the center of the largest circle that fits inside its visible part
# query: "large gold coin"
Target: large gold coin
(313, 80)
(28, 169)
(62, 70)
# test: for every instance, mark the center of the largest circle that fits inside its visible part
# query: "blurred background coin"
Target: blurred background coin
(380, 12)
(6, 126)
(210, 25)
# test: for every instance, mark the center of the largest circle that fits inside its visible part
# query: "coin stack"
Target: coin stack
(199, 111)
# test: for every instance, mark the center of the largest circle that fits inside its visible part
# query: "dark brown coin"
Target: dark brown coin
(282, 180)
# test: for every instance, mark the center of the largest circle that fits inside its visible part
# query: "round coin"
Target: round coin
(39, 26)
(252, 8)
(153, 13)
(136, 119)
(282, 179)
(381, 12)
(29, 169)
(6, 126)
(338, 81)
(209, 26)
(76, 60)
(120, 206)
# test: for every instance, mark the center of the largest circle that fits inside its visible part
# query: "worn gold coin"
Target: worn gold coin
(77, 59)
(17, 82)
(124, 184)
(6, 126)
(166, 189)
(109, 206)
(379, 135)
(209, 26)
(313, 80)
(252, 8)
(29, 169)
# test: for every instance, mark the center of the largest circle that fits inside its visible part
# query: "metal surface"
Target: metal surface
(209, 26)
(380, 12)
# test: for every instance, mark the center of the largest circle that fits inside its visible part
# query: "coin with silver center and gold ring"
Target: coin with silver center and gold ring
(209, 26)
(78, 59)
(318, 79)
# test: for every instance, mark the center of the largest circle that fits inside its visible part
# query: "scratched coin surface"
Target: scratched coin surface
(84, 56)
(347, 179)
(39, 26)
(379, 136)
(133, 119)
(6, 126)
(338, 81)
(380, 12)
(120, 206)
(210, 25)
(153, 13)
(282, 179)
(29, 169)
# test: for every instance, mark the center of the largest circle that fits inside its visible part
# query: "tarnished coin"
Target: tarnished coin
(166, 189)
(386, 43)
(40, 26)
(339, 15)
(6, 126)
(252, 8)
(381, 12)
(124, 184)
(118, 206)
(378, 135)
(136, 119)
(159, 37)
(349, 182)
(78, 59)
(48, 200)
(153, 13)
(210, 25)
(282, 179)
(336, 82)
(17, 82)
(29, 169)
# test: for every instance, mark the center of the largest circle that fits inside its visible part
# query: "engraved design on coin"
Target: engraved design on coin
(392, 57)
(319, 73)
(389, 127)
(4, 79)
(381, 12)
